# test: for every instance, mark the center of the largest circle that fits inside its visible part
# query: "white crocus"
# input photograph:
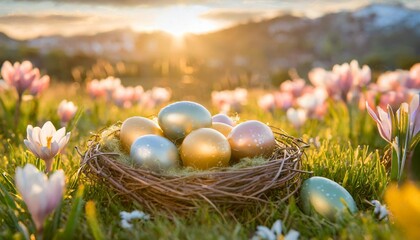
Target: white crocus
(45, 143)
(126, 217)
(296, 116)
(380, 210)
(276, 232)
(41, 195)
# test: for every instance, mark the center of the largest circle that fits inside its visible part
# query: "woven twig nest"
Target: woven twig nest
(233, 187)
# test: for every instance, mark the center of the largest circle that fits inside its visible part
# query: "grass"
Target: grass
(354, 163)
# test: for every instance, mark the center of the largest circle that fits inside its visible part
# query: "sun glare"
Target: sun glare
(181, 20)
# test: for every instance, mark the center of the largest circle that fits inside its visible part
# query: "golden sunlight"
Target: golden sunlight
(181, 20)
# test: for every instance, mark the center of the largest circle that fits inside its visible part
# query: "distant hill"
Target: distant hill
(379, 34)
(382, 35)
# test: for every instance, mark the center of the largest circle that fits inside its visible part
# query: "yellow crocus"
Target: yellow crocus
(404, 204)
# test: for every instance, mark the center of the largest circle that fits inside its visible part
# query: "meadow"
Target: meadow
(344, 146)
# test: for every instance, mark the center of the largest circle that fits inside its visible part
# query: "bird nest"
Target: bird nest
(244, 184)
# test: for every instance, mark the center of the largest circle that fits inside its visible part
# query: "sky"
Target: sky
(24, 19)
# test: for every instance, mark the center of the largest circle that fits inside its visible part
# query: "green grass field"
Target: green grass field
(356, 163)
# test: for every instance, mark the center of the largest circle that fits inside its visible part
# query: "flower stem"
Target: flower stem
(48, 165)
(17, 110)
(349, 109)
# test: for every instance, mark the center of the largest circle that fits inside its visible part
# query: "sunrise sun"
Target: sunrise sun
(181, 20)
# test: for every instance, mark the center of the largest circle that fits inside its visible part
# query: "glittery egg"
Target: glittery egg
(205, 148)
(222, 128)
(135, 127)
(326, 197)
(251, 139)
(180, 118)
(223, 118)
(154, 152)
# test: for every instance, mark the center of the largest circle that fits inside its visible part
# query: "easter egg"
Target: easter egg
(251, 139)
(222, 128)
(180, 118)
(223, 118)
(205, 148)
(135, 127)
(326, 197)
(154, 152)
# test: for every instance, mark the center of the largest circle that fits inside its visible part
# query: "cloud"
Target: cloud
(19, 19)
(233, 15)
(24, 26)
(123, 2)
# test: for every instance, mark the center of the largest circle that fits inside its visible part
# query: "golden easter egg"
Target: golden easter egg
(135, 127)
(154, 152)
(205, 148)
(178, 119)
(222, 128)
(251, 139)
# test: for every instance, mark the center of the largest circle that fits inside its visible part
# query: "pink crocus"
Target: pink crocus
(414, 81)
(155, 97)
(313, 102)
(109, 85)
(414, 116)
(393, 81)
(383, 121)
(122, 97)
(294, 87)
(66, 111)
(328, 80)
(40, 193)
(283, 100)
(267, 102)
(361, 76)
(95, 89)
(393, 98)
(20, 76)
(227, 100)
(39, 85)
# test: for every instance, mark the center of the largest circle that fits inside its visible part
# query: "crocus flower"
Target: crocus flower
(294, 87)
(3, 85)
(126, 217)
(414, 81)
(383, 121)
(125, 97)
(39, 85)
(109, 85)
(404, 206)
(380, 210)
(45, 143)
(267, 102)
(226, 100)
(20, 76)
(95, 89)
(401, 130)
(41, 195)
(314, 102)
(393, 81)
(283, 100)
(361, 76)
(328, 80)
(66, 111)
(296, 116)
(160, 95)
(276, 232)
